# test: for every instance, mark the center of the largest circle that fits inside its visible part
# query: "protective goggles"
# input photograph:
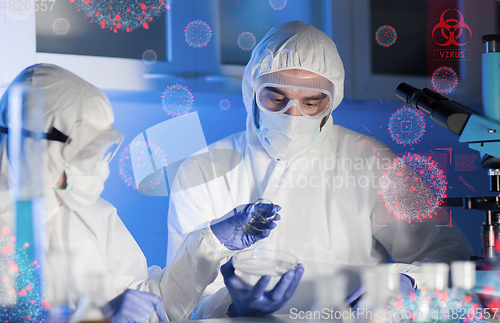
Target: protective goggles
(92, 145)
(277, 92)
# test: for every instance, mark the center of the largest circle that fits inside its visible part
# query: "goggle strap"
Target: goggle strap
(56, 135)
(53, 134)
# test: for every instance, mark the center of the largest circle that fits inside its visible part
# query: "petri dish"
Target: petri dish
(264, 262)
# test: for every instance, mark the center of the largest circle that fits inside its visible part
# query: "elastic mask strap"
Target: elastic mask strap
(53, 134)
(256, 113)
(323, 121)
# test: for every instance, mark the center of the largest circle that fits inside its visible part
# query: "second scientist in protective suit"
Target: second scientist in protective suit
(80, 142)
(294, 155)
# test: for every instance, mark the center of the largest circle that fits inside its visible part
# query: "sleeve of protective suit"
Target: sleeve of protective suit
(194, 267)
(411, 245)
(212, 306)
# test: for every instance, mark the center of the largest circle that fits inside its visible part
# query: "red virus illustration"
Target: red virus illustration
(413, 188)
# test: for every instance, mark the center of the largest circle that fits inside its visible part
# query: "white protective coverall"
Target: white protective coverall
(323, 223)
(98, 240)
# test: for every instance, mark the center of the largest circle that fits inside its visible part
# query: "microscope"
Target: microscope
(481, 132)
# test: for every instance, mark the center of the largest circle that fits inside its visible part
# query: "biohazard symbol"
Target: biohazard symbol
(451, 29)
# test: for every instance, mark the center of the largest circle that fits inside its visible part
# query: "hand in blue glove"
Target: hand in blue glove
(253, 301)
(229, 228)
(406, 285)
(133, 306)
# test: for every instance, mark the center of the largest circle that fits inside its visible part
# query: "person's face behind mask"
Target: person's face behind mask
(88, 169)
(82, 188)
(290, 117)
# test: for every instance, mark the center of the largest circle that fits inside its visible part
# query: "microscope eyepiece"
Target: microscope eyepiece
(448, 114)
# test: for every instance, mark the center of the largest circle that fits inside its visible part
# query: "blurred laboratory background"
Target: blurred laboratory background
(172, 71)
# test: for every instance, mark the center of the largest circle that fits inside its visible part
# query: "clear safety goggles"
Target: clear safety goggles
(92, 145)
(277, 92)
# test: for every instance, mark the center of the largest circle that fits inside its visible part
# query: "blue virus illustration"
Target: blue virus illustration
(406, 126)
(386, 36)
(444, 80)
(198, 34)
(246, 41)
(60, 26)
(177, 100)
(140, 160)
(149, 57)
(277, 4)
(15, 260)
(121, 14)
(224, 104)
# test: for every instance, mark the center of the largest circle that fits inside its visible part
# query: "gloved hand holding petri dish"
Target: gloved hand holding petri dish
(261, 296)
(252, 264)
(230, 228)
(262, 211)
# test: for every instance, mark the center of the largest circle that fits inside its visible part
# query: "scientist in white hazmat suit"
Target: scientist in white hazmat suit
(293, 154)
(80, 143)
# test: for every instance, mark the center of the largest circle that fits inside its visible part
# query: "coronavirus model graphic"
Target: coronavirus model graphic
(413, 188)
(149, 57)
(142, 162)
(177, 100)
(246, 41)
(198, 33)
(444, 80)
(31, 305)
(121, 14)
(224, 104)
(18, 15)
(60, 26)
(406, 126)
(386, 36)
(277, 4)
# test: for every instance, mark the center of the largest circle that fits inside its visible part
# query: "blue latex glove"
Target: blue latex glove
(253, 301)
(229, 228)
(406, 285)
(133, 306)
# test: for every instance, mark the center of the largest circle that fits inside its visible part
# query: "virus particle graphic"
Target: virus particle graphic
(413, 188)
(406, 126)
(149, 57)
(30, 306)
(224, 104)
(121, 14)
(177, 100)
(18, 15)
(135, 162)
(277, 4)
(60, 26)
(386, 36)
(197, 34)
(246, 41)
(444, 80)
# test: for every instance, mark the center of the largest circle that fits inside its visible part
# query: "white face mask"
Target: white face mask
(284, 136)
(83, 189)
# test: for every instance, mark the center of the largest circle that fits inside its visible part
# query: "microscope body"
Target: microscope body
(480, 132)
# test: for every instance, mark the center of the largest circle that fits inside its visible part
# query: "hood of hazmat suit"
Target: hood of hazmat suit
(329, 193)
(87, 227)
